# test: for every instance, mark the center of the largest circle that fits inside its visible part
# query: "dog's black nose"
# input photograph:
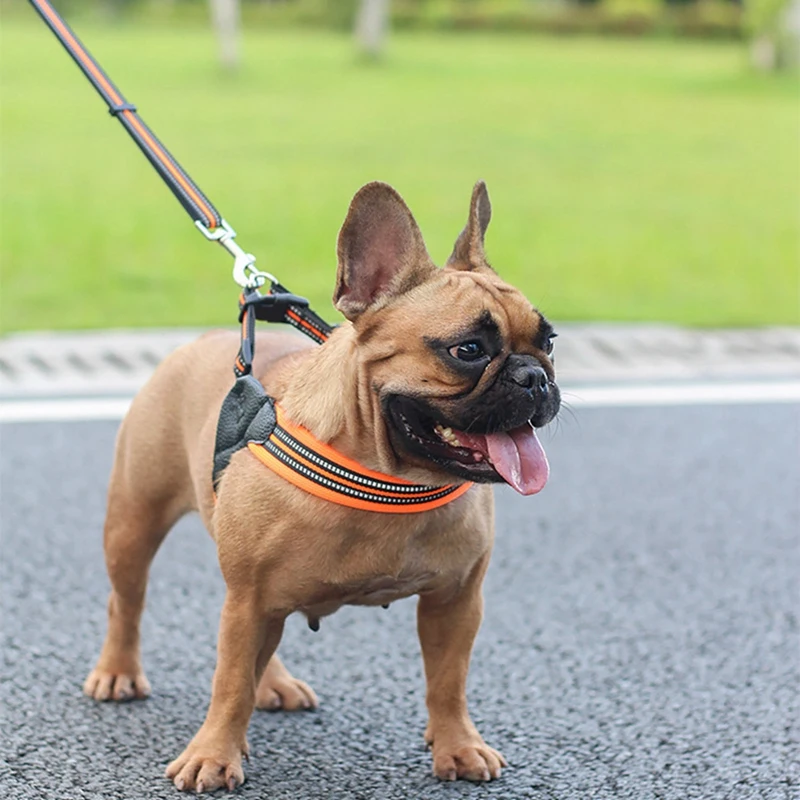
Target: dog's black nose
(529, 376)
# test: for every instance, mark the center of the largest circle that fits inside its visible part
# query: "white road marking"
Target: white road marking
(623, 396)
(64, 410)
(683, 394)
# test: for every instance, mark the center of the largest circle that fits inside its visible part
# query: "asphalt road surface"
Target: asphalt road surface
(640, 638)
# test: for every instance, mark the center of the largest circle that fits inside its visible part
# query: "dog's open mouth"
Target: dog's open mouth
(514, 456)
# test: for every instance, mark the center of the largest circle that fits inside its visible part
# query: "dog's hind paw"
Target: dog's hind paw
(473, 761)
(279, 690)
(118, 686)
(287, 695)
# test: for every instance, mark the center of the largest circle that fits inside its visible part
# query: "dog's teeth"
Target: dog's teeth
(447, 435)
(478, 456)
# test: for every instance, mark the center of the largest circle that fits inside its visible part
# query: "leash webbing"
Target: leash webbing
(278, 305)
(198, 206)
(249, 416)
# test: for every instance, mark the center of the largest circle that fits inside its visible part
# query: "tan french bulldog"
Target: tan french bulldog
(438, 376)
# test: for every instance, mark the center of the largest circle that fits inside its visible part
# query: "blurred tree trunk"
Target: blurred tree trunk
(372, 23)
(225, 17)
(791, 30)
(775, 31)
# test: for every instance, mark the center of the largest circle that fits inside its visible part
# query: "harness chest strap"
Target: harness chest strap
(297, 456)
(250, 418)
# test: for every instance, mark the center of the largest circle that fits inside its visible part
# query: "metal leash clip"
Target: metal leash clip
(244, 271)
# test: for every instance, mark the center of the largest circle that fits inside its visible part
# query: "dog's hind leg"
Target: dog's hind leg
(279, 690)
(142, 507)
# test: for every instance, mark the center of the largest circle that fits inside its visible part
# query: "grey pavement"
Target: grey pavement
(119, 362)
(640, 640)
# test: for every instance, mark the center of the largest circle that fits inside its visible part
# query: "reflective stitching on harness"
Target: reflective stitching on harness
(330, 466)
(296, 455)
(285, 458)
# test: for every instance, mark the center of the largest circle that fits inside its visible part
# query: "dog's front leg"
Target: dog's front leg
(248, 636)
(447, 628)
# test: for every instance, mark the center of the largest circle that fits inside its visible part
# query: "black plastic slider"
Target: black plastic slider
(271, 307)
(116, 109)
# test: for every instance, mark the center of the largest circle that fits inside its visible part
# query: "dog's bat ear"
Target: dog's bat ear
(381, 252)
(468, 252)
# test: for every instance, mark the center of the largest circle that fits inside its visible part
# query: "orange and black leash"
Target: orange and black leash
(198, 206)
(279, 305)
(249, 417)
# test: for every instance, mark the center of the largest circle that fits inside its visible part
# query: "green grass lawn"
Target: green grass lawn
(631, 180)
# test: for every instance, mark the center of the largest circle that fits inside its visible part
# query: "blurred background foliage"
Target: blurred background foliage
(646, 174)
(705, 18)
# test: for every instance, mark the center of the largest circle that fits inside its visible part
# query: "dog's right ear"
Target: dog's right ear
(468, 253)
(380, 250)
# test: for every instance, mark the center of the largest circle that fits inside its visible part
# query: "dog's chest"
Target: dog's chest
(380, 575)
(373, 567)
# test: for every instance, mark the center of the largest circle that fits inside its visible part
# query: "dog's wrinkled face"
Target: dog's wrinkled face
(483, 382)
(458, 360)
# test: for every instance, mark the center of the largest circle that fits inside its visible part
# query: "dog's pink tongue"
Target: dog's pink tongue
(516, 455)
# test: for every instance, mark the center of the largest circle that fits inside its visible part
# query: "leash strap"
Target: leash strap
(277, 306)
(206, 218)
(249, 417)
(198, 206)
(304, 319)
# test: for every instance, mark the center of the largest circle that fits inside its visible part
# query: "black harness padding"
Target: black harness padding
(248, 412)
(247, 415)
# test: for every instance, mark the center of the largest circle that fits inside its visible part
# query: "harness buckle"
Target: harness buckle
(244, 271)
(270, 307)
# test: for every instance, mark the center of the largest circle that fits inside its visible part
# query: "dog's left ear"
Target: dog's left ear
(381, 251)
(468, 252)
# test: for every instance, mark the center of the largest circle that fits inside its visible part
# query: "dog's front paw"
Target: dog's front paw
(118, 685)
(466, 756)
(206, 765)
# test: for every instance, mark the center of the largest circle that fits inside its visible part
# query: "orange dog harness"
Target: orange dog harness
(315, 467)
(251, 418)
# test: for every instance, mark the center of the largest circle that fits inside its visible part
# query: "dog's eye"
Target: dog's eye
(468, 351)
(548, 348)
